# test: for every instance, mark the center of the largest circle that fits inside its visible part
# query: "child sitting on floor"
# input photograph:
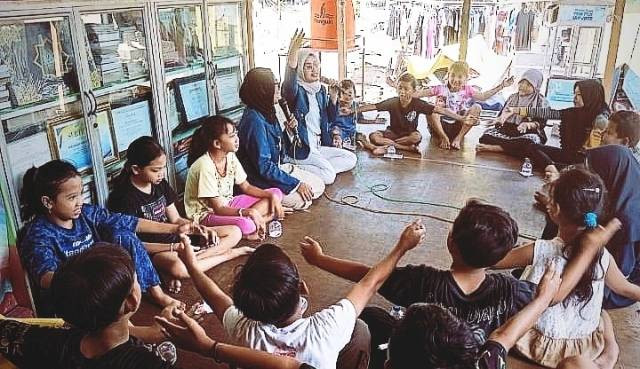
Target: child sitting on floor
(213, 171)
(96, 293)
(575, 326)
(267, 309)
(142, 191)
(459, 97)
(63, 226)
(481, 236)
(404, 110)
(430, 336)
(624, 129)
(343, 114)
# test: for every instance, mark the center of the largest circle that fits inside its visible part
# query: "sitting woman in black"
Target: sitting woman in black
(580, 127)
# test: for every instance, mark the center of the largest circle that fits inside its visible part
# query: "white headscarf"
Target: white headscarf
(310, 87)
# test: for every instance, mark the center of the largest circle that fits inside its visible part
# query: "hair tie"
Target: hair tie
(591, 220)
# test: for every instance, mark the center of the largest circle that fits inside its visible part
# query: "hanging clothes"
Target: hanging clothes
(524, 28)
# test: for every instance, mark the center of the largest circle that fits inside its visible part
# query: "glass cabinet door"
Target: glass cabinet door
(40, 102)
(183, 55)
(226, 34)
(118, 60)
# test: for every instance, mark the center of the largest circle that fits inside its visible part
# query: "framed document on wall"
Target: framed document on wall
(68, 138)
(107, 141)
(228, 88)
(28, 152)
(192, 98)
(130, 122)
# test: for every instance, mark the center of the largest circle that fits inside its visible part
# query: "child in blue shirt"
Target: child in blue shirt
(63, 226)
(343, 114)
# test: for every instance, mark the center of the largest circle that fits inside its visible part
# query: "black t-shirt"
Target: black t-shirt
(32, 347)
(127, 199)
(498, 297)
(404, 120)
(492, 356)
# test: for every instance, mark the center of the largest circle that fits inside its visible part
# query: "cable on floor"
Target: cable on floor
(376, 189)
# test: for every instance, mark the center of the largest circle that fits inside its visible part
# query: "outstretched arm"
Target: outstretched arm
(518, 257)
(362, 292)
(208, 289)
(313, 254)
(189, 335)
(482, 96)
(511, 331)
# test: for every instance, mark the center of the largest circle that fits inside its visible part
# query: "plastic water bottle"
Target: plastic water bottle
(346, 143)
(167, 352)
(275, 229)
(397, 312)
(391, 150)
(527, 168)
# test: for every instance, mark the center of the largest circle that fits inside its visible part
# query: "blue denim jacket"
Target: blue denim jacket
(298, 102)
(260, 152)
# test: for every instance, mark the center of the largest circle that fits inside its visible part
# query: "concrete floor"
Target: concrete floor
(351, 233)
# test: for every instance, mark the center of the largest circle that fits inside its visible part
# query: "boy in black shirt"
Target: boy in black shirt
(404, 111)
(431, 336)
(96, 292)
(481, 236)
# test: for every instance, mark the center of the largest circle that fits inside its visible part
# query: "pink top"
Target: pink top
(455, 101)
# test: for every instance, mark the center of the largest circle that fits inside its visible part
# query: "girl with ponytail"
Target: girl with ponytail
(573, 327)
(142, 191)
(214, 169)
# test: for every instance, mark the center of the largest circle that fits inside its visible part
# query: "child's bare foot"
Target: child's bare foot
(253, 237)
(380, 150)
(174, 286)
(456, 144)
(159, 297)
(488, 148)
(444, 143)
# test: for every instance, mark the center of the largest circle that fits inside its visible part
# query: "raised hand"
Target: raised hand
(311, 250)
(294, 47)
(412, 235)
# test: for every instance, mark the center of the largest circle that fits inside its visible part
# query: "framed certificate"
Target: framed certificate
(193, 99)
(68, 139)
(31, 151)
(228, 88)
(130, 122)
(107, 140)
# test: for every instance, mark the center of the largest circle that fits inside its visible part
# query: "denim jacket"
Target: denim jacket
(260, 152)
(298, 102)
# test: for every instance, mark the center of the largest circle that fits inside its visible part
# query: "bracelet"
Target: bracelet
(171, 246)
(213, 352)
(240, 213)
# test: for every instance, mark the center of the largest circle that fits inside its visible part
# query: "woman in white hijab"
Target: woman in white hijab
(513, 133)
(309, 144)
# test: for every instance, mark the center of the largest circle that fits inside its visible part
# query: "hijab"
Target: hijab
(310, 87)
(620, 172)
(577, 123)
(257, 92)
(533, 100)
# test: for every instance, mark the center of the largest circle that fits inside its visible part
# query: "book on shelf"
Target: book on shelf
(127, 52)
(3, 87)
(101, 59)
(5, 105)
(103, 37)
(105, 44)
(112, 76)
(4, 80)
(4, 95)
(109, 67)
